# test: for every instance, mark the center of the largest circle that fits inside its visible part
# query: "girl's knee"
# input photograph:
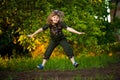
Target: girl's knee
(70, 56)
(46, 57)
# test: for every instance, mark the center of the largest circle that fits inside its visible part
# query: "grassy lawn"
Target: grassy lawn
(57, 63)
(90, 68)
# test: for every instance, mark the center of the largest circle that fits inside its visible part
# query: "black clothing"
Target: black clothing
(67, 48)
(57, 37)
(56, 30)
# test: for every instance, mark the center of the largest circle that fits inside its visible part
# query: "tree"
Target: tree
(22, 17)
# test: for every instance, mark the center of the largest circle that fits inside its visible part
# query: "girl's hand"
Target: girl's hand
(30, 36)
(81, 32)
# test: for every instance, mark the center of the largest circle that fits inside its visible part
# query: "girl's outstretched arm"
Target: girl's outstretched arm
(39, 30)
(74, 31)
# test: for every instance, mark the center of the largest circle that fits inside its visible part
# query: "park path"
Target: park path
(111, 72)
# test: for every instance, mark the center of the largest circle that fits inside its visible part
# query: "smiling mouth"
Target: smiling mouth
(55, 21)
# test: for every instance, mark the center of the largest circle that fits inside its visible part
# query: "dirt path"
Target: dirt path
(109, 73)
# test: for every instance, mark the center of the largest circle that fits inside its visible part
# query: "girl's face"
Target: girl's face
(55, 19)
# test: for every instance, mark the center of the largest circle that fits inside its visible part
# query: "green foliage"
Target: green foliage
(22, 17)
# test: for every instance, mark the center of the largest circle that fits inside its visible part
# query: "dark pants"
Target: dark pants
(66, 46)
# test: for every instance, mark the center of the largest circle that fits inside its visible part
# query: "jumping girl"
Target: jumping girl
(56, 25)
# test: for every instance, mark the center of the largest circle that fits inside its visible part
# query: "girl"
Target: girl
(55, 24)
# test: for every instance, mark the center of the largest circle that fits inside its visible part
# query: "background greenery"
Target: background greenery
(22, 17)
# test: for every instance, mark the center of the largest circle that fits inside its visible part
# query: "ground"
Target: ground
(112, 72)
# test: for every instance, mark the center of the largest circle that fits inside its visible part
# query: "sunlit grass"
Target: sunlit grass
(57, 63)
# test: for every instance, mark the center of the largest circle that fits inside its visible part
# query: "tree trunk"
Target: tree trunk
(115, 11)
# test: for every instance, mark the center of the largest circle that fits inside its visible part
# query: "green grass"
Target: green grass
(27, 63)
(97, 61)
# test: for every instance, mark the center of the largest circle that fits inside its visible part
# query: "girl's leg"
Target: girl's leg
(44, 62)
(50, 49)
(69, 52)
(72, 60)
(48, 52)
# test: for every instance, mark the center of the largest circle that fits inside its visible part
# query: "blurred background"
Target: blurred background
(99, 19)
